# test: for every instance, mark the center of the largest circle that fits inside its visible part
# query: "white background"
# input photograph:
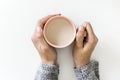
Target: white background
(19, 59)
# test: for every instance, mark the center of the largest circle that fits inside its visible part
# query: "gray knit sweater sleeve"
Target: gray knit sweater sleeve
(88, 72)
(50, 72)
(47, 72)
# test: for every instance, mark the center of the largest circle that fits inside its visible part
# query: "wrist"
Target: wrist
(81, 63)
(49, 62)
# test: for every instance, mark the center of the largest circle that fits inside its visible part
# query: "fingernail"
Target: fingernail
(84, 24)
(81, 28)
(39, 29)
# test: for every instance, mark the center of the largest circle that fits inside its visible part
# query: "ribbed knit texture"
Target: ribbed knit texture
(88, 72)
(47, 72)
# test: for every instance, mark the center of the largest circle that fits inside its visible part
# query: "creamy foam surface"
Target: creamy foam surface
(59, 32)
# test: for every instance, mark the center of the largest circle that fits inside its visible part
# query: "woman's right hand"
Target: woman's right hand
(47, 53)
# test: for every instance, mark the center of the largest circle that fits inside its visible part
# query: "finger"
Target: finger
(84, 25)
(80, 37)
(49, 16)
(39, 32)
(77, 30)
(89, 29)
(40, 37)
(37, 35)
(44, 20)
(85, 34)
(90, 39)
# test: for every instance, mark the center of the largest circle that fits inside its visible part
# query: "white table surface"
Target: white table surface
(19, 59)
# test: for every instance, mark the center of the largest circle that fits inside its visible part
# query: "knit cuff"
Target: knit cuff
(49, 68)
(87, 71)
(47, 72)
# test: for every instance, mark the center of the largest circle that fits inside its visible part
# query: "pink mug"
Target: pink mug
(59, 32)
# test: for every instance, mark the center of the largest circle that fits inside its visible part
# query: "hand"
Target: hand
(85, 43)
(47, 53)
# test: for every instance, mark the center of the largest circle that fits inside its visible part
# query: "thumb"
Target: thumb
(40, 37)
(39, 32)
